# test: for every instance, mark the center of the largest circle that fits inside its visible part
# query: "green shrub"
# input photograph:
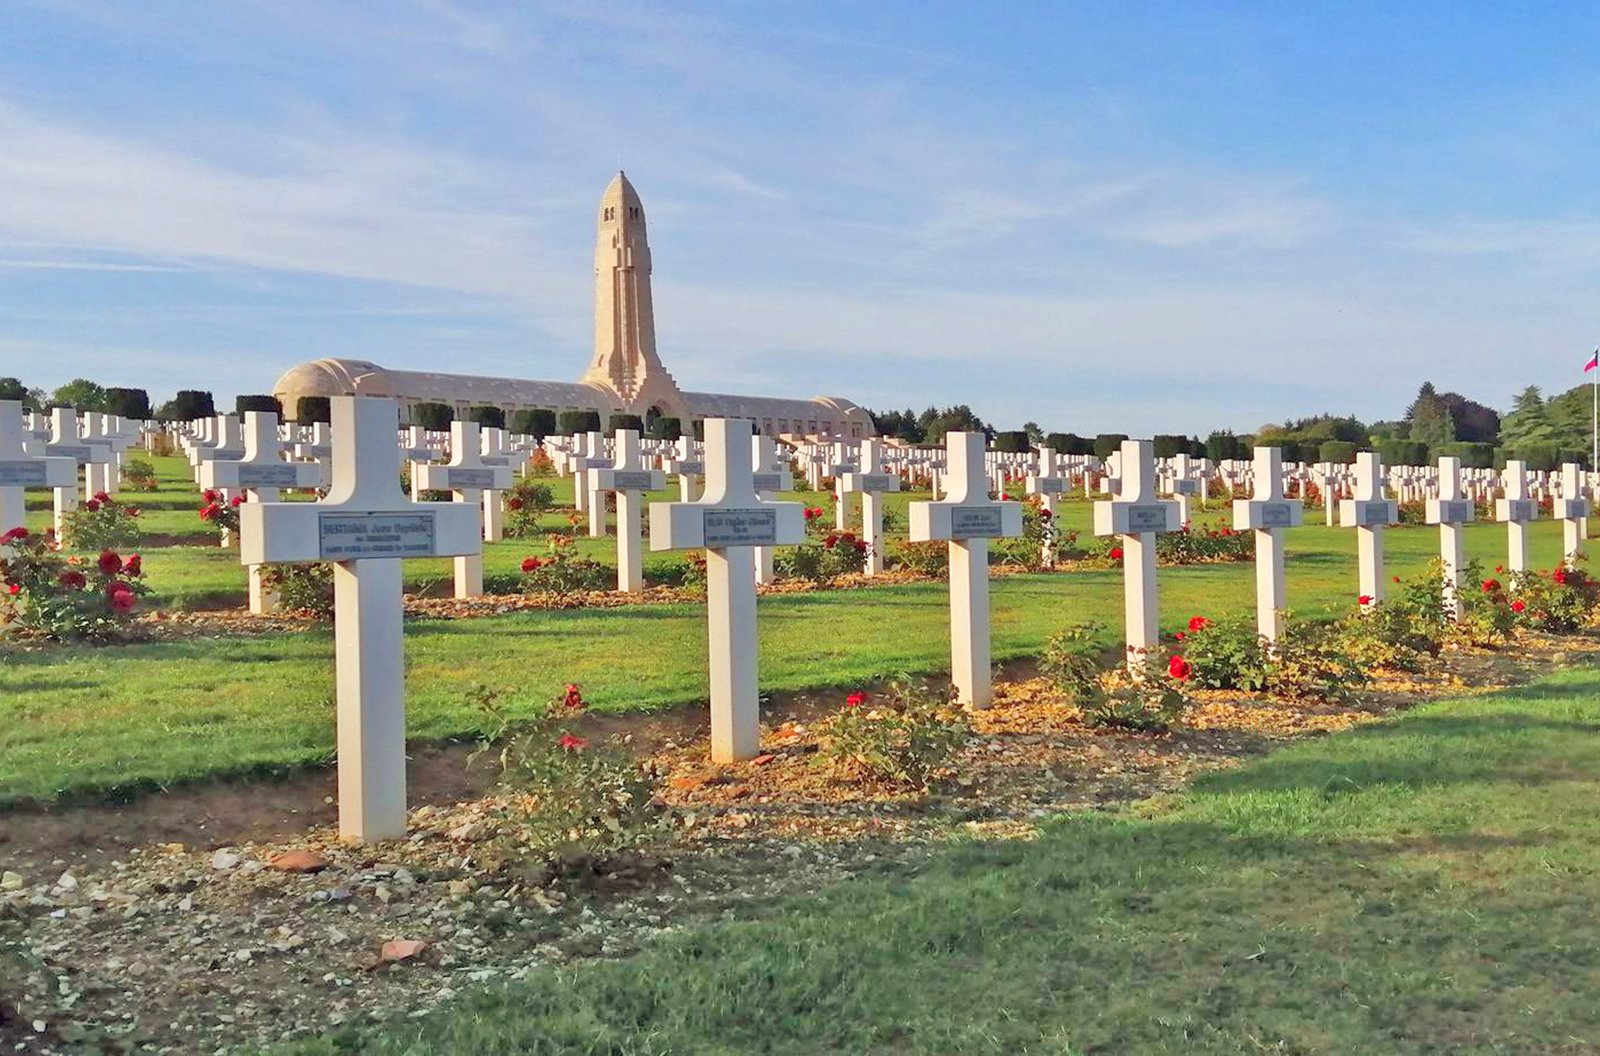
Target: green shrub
(486, 416)
(563, 572)
(270, 404)
(526, 503)
(49, 594)
(1108, 444)
(313, 409)
(1149, 697)
(100, 523)
(433, 416)
(923, 559)
(139, 474)
(535, 423)
(1071, 660)
(908, 736)
(1225, 654)
(1558, 602)
(624, 421)
(572, 805)
(1342, 452)
(306, 589)
(570, 423)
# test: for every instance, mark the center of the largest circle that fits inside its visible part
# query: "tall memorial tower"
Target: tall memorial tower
(625, 357)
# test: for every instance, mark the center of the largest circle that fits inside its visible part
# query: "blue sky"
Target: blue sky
(1110, 216)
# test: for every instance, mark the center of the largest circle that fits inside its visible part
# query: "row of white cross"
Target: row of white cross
(366, 525)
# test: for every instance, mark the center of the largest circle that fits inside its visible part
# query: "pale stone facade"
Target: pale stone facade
(625, 375)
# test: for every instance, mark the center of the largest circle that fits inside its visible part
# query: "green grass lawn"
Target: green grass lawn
(1424, 885)
(76, 719)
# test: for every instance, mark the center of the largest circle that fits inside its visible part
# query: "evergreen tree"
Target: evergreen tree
(1431, 423)
(1529, 421)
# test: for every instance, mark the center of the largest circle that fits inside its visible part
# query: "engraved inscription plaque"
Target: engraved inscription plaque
(1147, 519)
(1050, 485)
(724, 528)
(282, 475)
(347, 536)
(21, 473)
(1516, 509)
(1275, 515)
(975, 522)
(464, 477)
(878, 481)
(632, 480)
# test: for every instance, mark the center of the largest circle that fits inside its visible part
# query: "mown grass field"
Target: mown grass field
(1424, 885)
(80, 719)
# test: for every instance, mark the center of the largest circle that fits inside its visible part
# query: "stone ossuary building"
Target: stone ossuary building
(626, 375)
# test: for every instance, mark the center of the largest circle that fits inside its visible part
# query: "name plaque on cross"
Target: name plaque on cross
(463, 478)
(258, 476)
(1570, 509)
(493, 460)
(23, 473)
(1147, 519)
(632, 480)
(767, 481)
(1050, 486)
(77, 451)
(1373, 513)
(724, 528)
(689, 469)
(976, 522)
(878, 481)
(1276, 515)
(1516, 509)
(348, 536)
(1186, 487)
(1451, 510)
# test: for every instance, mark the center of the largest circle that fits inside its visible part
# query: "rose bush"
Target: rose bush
(49, 594)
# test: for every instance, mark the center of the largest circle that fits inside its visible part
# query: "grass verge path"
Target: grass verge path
(1423, 885)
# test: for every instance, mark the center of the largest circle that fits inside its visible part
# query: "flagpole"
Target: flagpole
(1594, 390)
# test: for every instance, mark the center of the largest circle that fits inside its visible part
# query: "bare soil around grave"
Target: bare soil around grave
(174, 933)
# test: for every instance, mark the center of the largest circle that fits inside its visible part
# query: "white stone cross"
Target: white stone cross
(1267, 514)
(967, 518)
(1516, 509)
(1367, 513)
(629, 480)
(872, 483)
(260, 473)
(1571, 509)
(66, 443)
(493, 451)
(1184, 486)
(1047, 483)
(771, 474)
(727, 521)
(685, 467)
(468, 478)
(1450, 511)
(838, 464)
(1137, 515)
(19, 470)
(365, 527)
(228, 446)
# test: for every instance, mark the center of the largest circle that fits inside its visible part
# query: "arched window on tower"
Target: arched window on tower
(611, 213)
(633, 212)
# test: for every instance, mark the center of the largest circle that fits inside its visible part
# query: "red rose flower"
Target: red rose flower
(72, 579)
(1394, 579)
(530, 563)
(13, 590)
(133, 565)
(570, 743)
(1560, 575)
(1179, 636)
(109, 563)
(831, 542)
(131, 511)
(1198, 623)
(810, 513)
(101, 497)
(1365, 599)
(1519, 605)
(1491, 585)
(122, 598)
(93, 506)
(855, 700)
(513, 504)
(14, 534)
(1116, 553)
(210, 495)
(209, 512)
(573, 698)
(236, 500)
(1179, 668)
(861, 546)
(1046, 514)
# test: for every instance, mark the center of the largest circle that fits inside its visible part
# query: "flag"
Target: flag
(1594, 361)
